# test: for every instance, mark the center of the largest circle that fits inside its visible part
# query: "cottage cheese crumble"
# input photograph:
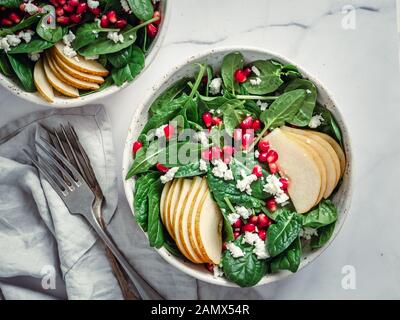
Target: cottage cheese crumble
(115, 36)
(92, 4)
(232, 217)
(316, 121)
(169, 175)
(244, 185)
(256, 71)
(235, 251)
(202, 165)
(255, 81)
(308, 232)
(243, 212)
(215, 86)
(221, 170)
(218, 273)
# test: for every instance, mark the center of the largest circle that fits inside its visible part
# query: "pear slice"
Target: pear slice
(336, 147)
(42, 84)
(183, 230)
(172, 195)
(67, 78)
(163, 199)
(57, 84)
(80, 63)
(297, 163)
(332, 172)
(208, 228)
(74, 72)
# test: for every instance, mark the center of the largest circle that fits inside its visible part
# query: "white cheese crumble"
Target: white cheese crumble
(159, 133)
(69, 38)
(232, 217)
(201, 137)
(250, 238)
(255, 81)
(115, 36)
(30, 8)
(95, 57)
(260, 249)
(221, 170)
(215, 86)
(203, 165)
(257, 153)
(244, 185)
(274, 187)
(256, 71)
(92, 4)
(316, 121)
(26, 35)
(4, 44)
(34, 56)
(218, 273)
(69, 52)
(243, 212)
(308, 91)
(169, 175)
(307, 233)
(263, 105)
(125, 6)
(235, 251)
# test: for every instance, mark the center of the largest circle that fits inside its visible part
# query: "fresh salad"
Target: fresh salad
(75, 47)
(236, 168)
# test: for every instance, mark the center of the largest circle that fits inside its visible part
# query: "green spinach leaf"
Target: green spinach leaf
(24, 71)
(323, 215)
(230, 64)
(142, 9)
(155, 230)
(131, 69)
(51, 34)
(88, 33)
(288, 259)
(324, 234)
(269, 75)
(36, 45)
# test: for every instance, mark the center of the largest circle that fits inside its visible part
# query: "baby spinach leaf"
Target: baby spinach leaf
(155, 230)
(288, 259)
(88, 33)
(23, 69)
(283, 109)
(323, 215)
(142, 9)
(329, 125)
(324, 234)
(303, 116)
(36, 45)
(51, 34)
(212, 103)
(10, 3)
(189, 170)
(290, 72)
(269, 75)
(144, 159)
(245, 271)
(5, 67)
(281, 234)
(26, 22)
(233, 116)
(131, 69)
(171, 246)
(230, 64)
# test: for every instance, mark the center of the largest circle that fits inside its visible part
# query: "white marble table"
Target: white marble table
(360, 67)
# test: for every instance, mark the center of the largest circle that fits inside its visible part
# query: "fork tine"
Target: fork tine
(49, 178)
(64, 151)
(52, 171)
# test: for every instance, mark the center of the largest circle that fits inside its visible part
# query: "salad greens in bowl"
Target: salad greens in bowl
(238, 167)
(71, 52)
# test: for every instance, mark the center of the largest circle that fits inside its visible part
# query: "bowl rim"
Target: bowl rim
(10, 85)
(187, 267)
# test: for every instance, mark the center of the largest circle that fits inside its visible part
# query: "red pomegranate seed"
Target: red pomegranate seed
(224, 246)
(263, 146)
(216, 121)
(285, 183)
(6, 22)
(257, 170)
(136, 146)
(22, 6)
(228, 150)
(161, 168)
(14, 17)
(227, 159)
(237, 135)
(73, 3)
(121, 23)
(263, 221)
(104, 21)
(62, 2)
(273, 168)
(96, 11)
(157, 14)
(271, 204)
(262, 234)
(262, 157)
(216, 152)
(237, 224)
(207, 119)
(256, 125)
(246, 123)
(272, 156)
(236, 234)
(247, 140)
(240, 76)
(169, 131)
(68, 8)
(112, 16)
(151, 30)
(209, 267)
(249, 227)
(253, 220)
(75, 18)
(247, 71)
(206, 155)
(63, 20)
(59, 11)
(81, 8)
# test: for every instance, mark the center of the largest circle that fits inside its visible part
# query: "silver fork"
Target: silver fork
(78, 198)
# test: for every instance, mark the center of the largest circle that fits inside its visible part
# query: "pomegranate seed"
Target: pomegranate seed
(121, 23)
(285, 183)
(253, 220)
(262, 234)
(59, 11)
(228, 150)
(73, 3)
(216, 152)
(112, 16)
(216, 121)
(247, 71)
(204, 80)
(257, 170)
(271, 204)
(96, 11)
(207, 119)
(227, 159)
(237, 224)
(236, 234)
(263, 221)
(237, 135)
(272, 156)
(104, 21)
(262, 157)
(62, 2)
(6, 22)
(22, 6)
(157, 14)
(151, 30)
(247, 123)
(249, 227)
(81, 8)
(256, 125)
(247, 140)
(63, 20)
(209, 267)
(161, 168)
(224, 246)
(14, 17)
(273, 168)
(68, 8)
(263, 146)
(240, 76)
(206, 155)
(136, 146)
(75, 18)
(169, 131)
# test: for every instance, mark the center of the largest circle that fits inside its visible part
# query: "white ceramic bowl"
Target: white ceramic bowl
(214, 57)
(62, 102)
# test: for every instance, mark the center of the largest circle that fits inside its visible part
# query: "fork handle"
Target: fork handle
(145, 290)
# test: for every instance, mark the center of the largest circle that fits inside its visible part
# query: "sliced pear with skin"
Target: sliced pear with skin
(331, 173)
(65, 77)
(335, 146)
(208, 227)
(74, 72)
(197, 203)
(172, 194)
(57, 84)
(183, 229)
(80, 63)
(163, 199)
(297, 164)
(41, 83)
